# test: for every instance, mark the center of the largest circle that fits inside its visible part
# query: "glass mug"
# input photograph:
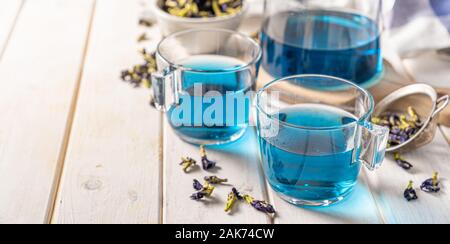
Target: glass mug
(204, 83)
(313, 141)
(338, 38)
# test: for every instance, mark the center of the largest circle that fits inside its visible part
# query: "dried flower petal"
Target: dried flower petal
(201, 8)
(410, 194)
(431, 185)
(197, 185)
(187, 164)
(206, 163)
(261, 206)
(402, 126)
(140, 75)
(208, 189)
(215, 180)
(231, 201)
(414, 117)
(198, 196)
(237, 193)
(146, 22)
(401, 162)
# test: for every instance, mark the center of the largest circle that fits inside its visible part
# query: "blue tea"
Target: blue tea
(214, 105)
(338, 44)
(310, 164)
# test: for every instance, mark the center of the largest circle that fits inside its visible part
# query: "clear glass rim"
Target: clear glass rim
(254, 60)
(360, 120)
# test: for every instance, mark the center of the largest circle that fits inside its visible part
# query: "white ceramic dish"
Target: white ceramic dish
(170, 24)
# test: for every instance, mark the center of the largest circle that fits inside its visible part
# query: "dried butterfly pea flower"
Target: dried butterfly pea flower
(206, 191)
(140, 75)
(261, 206)
(431, 185)
(202, 8)
(237, 193)
(198, 196)
(215, 180)
(403, 123)
(413, 116)
(402, 126)
(410, 194)
(394, 120)
(401, 162)
(379, 121)
(233, 197)
(143, 37)
(187, 164)
(146, 22)
(206, 163)
(197, 185)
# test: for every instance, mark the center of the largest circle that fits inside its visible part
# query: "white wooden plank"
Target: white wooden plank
(39, 73)
(446, 131)
(359, 208)
(237, 161)
(390, 181)
(9, 10)
(112, 169)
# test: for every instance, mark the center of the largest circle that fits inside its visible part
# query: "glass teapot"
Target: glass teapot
(339, 38)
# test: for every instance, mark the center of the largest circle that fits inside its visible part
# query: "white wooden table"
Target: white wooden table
(77, 145)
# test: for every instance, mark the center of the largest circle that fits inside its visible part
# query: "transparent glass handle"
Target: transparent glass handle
(165, 89)
(373, 145)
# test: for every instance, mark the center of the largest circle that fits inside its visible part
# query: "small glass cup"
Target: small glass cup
(314, 140)
(205, 82)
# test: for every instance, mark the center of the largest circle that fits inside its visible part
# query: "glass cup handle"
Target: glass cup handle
(374, 139)
(165, 89)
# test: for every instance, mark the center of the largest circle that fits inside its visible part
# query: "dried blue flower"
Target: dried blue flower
(394, 119)
(205, 191)
(261, 206)
(197, 185)
(198, 196)
(431, 185)
(215, 180)
(143, 37)
(410, 194)
(402, 126)
(140, 75)
(187, 164)
(231, 201)
(206, 163)
(414, 118)
(401, 162)
(201, 8)
(146, 22)
(237, 193)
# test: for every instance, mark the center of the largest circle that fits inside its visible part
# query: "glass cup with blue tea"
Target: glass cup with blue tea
(338, 38)
(205, 82)
(314, 140)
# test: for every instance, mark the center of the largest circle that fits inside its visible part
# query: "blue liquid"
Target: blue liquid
(331, 43)
(313, 166)
(213, 118)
